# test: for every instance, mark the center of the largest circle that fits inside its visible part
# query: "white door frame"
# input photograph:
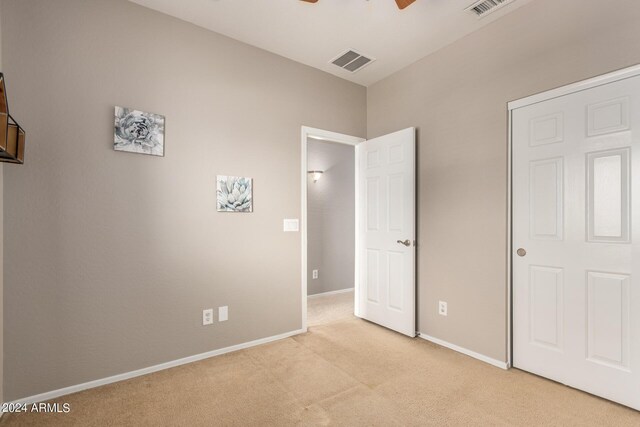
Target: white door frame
(323, 135)
(604, 79)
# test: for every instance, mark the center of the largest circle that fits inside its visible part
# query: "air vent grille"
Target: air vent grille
(352, 61)
(484, 7)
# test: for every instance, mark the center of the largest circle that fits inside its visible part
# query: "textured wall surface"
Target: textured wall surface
(331, 217)
(457, 98)
(113, 256)
(110, 257)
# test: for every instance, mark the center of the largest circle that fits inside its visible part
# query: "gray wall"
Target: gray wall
(457, 98)
(111, 257)
(331, 217)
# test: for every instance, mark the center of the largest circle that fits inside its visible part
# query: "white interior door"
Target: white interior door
(576, 213)
(385, 212)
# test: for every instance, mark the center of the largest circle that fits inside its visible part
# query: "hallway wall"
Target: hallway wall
(331, 217)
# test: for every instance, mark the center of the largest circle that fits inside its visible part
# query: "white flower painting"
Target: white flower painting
(138, 132)
(234, 194)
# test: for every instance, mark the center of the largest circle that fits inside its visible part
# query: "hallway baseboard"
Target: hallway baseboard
(339, 291)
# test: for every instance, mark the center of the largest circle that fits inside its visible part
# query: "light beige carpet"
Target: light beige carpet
(346, 373)
(323, 309)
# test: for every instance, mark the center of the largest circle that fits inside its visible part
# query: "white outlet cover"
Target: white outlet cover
(207, 317)
(314, 274)
(290, 225)
(442, 308)
(223, 314)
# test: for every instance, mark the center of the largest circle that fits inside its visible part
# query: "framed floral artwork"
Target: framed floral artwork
(138, 132)
(235, 194)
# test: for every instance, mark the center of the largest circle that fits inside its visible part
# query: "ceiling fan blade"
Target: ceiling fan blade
(404, 3)
(311, 1)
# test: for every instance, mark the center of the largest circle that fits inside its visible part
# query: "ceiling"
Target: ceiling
(314, 34)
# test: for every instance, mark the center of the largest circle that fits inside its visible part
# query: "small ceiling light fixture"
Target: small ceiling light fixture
(316, 175)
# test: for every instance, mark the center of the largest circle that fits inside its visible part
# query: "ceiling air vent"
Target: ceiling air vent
(352, 61)
(484, 7)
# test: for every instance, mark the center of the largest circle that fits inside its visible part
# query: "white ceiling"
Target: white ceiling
(314, 34)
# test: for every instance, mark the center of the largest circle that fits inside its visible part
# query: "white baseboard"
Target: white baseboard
(498, 363)
(339, 291)
(127, 375)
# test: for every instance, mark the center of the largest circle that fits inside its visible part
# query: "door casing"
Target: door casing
(325, 135)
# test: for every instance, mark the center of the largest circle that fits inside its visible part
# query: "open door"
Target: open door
(385, 231)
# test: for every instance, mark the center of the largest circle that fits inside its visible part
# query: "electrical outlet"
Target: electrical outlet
(223, 314)
(315, 274)
(207, 317)
(442, 308)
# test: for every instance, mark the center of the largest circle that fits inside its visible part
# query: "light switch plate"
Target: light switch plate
(223, 314)
(291, 225)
